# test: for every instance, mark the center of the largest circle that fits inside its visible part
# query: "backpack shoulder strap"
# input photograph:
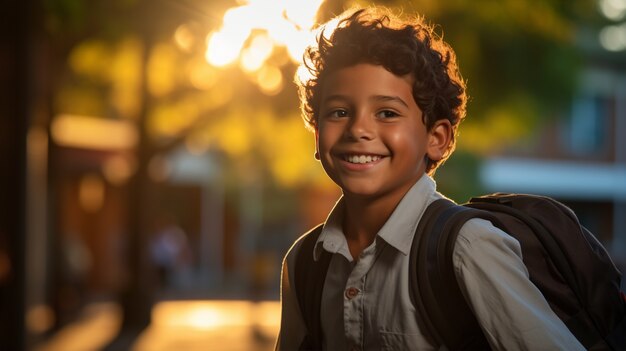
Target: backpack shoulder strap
(434, 288)
(309, 277)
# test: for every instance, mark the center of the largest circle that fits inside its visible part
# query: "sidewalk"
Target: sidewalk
(178, 326)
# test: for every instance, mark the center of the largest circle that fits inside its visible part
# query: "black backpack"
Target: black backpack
(565, 261)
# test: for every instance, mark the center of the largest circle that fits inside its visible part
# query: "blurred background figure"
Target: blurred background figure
(170, 253)
(116, 112)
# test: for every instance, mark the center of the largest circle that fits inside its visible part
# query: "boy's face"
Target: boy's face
(370, 135)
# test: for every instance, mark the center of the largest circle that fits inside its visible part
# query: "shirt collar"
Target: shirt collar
(399, 229)
(332, 239)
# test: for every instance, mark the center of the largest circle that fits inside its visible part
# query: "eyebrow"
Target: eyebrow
(335, 97)
(375, 98)
(389, 98)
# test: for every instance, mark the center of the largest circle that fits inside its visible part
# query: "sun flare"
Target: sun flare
(250, 32)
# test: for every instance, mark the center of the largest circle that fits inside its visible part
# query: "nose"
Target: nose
(361, 127)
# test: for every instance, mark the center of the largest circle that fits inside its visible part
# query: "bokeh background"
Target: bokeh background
(155, 168)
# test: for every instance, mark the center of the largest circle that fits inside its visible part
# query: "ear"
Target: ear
(439, 138)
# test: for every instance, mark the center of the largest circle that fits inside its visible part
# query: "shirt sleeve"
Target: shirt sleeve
(292, 327)
(511, 310)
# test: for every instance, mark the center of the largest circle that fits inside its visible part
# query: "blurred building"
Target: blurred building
(579, 157)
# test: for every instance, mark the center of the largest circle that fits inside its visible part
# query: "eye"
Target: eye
(337, 113)
(386, 114)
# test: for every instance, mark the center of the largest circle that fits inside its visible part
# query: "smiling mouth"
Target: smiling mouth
(361, 159)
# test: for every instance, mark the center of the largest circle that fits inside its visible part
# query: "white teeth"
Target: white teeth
(361, 158)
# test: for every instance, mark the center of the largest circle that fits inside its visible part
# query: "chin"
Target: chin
(364, 190)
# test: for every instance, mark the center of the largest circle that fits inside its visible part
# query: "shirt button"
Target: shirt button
(352, 293)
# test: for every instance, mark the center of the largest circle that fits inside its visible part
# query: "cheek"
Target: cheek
(407, 144)
(322, 142)
(401, 140)
(326, 137)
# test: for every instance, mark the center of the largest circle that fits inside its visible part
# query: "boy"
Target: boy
(384, 101)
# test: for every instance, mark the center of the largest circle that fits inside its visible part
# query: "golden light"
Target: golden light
(270, 80)
(93, 132)
(224, 47)
(233, 132)
(302, 13)
(201, 75)
(254, 56)
(39, 318)
(126, 77)
(302, 73)
(161, 69)
(118, 169)
(210, 325)
(91, 58)
(184, 38)
(280, 29)
(287, 23)
(297, 42)
(288, 165)
(91, 193)
(169, 119)
(214, 314)
(97, 325)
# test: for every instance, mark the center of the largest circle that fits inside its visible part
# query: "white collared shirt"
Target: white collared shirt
(366, 303)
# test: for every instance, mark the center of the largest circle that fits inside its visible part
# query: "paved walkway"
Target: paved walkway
(177, 326)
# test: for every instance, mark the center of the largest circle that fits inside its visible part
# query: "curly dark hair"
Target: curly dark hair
(374, 35)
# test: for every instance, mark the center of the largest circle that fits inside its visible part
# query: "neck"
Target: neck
(364, 217)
